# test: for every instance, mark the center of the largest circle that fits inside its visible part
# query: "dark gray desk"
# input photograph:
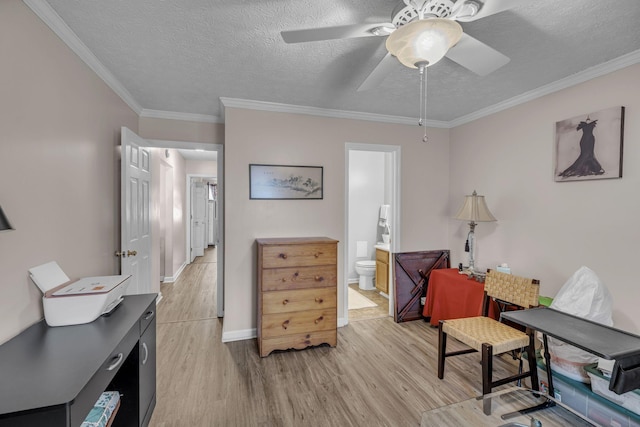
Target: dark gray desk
(53, 375)
(603, 341)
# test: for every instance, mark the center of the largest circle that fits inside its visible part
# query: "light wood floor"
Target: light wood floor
(380, 374)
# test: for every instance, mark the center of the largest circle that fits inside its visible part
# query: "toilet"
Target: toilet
(366, 269)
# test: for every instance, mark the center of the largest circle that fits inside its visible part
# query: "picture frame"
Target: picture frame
(589, 146)
(283, 182)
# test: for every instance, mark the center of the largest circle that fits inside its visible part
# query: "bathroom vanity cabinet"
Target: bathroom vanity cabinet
(297, 301)
(382, 270)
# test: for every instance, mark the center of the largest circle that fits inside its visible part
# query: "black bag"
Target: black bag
(626, 375)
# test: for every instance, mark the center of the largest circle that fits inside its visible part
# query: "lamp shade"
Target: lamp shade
(475, 209)
(423, 41)
(4, 222)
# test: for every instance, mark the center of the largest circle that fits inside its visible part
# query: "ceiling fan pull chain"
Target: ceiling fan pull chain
(423, 100)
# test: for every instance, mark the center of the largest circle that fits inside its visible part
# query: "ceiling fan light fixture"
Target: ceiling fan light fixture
(421, 41)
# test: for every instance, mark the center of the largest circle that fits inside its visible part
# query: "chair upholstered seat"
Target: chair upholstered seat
(475, 331)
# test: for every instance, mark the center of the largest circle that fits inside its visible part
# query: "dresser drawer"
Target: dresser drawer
(298, 255)
(275, 325)
(300, 300)
(298, 341)
(280, 279)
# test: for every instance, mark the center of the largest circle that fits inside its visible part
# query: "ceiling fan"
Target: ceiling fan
(468, 51)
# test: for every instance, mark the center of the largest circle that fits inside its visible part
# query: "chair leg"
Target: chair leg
(520, 367)
(531, 358)
(487, 368)
(442, 348)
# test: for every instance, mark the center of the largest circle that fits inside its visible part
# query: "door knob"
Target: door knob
(123, 254)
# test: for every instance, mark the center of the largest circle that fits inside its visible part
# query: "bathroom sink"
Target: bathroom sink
(383, 246)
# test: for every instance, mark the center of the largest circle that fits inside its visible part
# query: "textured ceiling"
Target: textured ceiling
(183, 55)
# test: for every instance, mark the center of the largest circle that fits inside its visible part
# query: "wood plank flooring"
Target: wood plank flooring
(380, 374)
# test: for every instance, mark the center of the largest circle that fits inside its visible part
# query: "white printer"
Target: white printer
(68, 302)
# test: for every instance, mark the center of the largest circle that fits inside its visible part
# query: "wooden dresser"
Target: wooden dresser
(297, 301)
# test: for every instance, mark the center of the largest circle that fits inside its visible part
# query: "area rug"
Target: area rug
(357, 300)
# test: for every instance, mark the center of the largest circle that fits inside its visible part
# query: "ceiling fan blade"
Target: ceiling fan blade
(471, 53)
(490, 7)
(382, 70)
(339, 32)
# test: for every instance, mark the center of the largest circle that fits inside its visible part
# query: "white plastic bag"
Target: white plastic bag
(583, 295)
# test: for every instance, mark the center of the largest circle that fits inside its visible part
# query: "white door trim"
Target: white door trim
(395, 150)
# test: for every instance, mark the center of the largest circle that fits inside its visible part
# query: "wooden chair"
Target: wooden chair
(491, 337)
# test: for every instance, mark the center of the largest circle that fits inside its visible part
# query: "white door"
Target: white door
(198, 218)
(135, 188)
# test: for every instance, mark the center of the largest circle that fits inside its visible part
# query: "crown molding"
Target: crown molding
(616, 64)
(49, 16)
(173, 115)
(324, 112)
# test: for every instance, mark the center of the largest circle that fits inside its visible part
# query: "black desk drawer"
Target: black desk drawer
(101, 379)
(147, 317)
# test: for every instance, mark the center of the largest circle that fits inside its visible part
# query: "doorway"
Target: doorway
(372, 209)
(202, 155)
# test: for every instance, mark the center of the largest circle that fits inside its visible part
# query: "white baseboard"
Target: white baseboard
(172, 279)
(245, 334)
(249, 334)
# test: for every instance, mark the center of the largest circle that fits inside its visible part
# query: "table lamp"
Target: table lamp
(474, 209)
(5, 225)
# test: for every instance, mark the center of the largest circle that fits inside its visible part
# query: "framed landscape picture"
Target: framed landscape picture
(590, 146)
(285, 182)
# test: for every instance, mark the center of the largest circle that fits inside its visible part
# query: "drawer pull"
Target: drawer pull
(149, 314)
(319, 319)
(285, 324)
(146, 353)
(285, 302)
(283, 256)
(284, 279)
(117, 361)
(319, 300)
(317, 254)
(319, 278)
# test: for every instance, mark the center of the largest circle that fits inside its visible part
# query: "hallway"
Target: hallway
(189, 336)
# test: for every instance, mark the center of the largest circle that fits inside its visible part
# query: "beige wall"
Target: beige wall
(548, 229)
(60, 126)
(174, 233)
(179, 212)
(289, 139)
(202, 167)
(181, 130)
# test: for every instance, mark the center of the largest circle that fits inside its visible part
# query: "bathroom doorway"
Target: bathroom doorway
(372, 230)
